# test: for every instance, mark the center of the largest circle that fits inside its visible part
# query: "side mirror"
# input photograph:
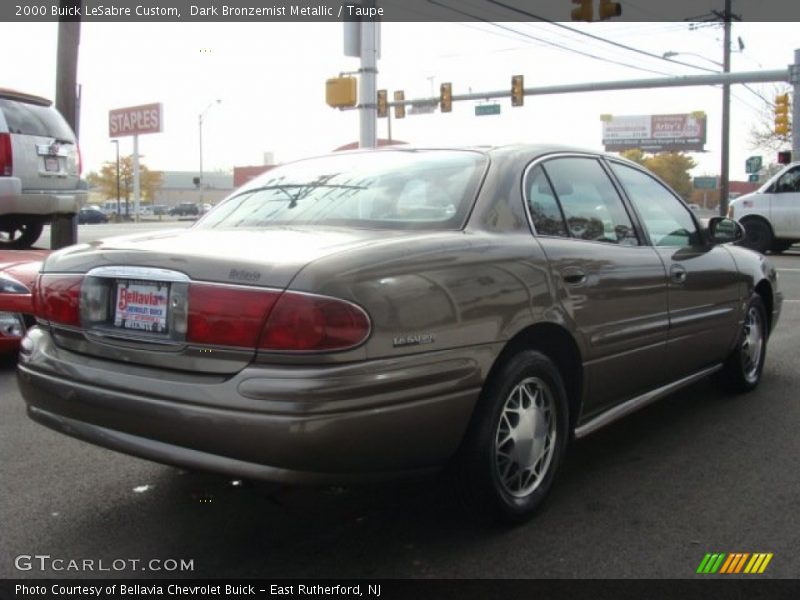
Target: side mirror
(722, 230)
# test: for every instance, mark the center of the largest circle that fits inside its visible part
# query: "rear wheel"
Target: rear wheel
(19, 235)
(742, 370)
(758, 235)
(516, 439)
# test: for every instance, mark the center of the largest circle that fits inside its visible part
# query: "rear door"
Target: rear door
(611, 285)
(43, 147)
(704, 288)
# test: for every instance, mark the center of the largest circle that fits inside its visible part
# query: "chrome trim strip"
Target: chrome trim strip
(634, 404)
(123, 272)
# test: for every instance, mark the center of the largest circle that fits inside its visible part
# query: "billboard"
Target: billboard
(135, 120)
(655, 133)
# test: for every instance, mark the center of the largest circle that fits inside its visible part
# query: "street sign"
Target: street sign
(753, 178)
(705, 183)
(482, 110)
(753, 164)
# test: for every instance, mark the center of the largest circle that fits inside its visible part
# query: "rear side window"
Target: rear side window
(591, 205)
(545, 213)
(32, 119)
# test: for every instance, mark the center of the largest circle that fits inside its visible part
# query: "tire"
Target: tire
(742, 370)
(779, 246)
(516, 440)
(20, 235)
(758, 235)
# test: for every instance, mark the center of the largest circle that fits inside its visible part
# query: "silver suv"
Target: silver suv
(39, 168)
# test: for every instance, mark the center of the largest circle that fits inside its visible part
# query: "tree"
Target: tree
(106, 180)
(672, 167)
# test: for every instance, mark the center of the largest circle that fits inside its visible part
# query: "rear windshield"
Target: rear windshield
(32, 119)
(397, 189)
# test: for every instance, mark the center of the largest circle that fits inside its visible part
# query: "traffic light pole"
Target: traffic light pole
(368, 89)
(794, 79)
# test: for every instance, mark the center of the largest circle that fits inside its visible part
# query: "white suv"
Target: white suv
(771, 214)
(39, 168)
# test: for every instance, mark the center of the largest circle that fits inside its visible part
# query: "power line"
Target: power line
(549, 42)
(596, 37)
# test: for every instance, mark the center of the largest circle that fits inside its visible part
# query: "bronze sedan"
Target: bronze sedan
(376, 314)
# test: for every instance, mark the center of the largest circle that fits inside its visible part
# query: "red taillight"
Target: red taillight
(308, 323)
(6, 158)
(56, 298)
(227, 315)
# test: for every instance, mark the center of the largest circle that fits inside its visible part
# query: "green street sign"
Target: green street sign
(753, 164)
(705, 183)
(481, 110)
(753, 178)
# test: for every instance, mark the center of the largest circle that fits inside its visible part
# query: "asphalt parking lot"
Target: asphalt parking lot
(698, 472)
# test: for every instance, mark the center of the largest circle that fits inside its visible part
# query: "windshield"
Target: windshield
(397, 189)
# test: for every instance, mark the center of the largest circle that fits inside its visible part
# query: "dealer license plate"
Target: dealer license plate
(142, 306)
(51, 164)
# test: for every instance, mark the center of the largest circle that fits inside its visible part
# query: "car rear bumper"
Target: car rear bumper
(13, 200)
(294, 424)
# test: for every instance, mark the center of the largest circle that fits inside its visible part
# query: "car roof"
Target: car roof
(24, 97)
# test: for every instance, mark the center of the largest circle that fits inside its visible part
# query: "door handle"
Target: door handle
(573, 275)
(677, 273)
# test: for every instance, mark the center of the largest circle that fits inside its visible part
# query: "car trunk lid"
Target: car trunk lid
(144, 299)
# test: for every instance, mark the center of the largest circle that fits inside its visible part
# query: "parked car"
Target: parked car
(91, 214)
(18, 270)
(771, 214)
(375, 314)
(39, 168)
(160, 209)
(185, 209)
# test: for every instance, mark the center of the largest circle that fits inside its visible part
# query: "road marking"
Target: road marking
(792, 270)
(791, 300)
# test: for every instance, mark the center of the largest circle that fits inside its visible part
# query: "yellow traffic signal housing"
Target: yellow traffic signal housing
(782, 114)
(399, 109)
(383, 106)
(517, 90)
(341, 92)
(608, 9)
(585, 12)
(446, 97)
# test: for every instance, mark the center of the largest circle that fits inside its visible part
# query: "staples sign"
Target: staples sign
(135, 120)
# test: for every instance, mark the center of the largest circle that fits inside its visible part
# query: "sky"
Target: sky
(270, 79)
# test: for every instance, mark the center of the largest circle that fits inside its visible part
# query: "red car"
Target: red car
(18, 269)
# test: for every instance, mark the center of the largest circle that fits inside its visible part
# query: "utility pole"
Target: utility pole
(724, 171)
(64, 230)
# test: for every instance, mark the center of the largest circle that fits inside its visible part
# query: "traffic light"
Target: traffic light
(446, 97)
(383, 107)
(585, 12)
(608, 9)
(782, 114)
(517, 90)
(399, 109)
(340, 92)
(784, 157)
